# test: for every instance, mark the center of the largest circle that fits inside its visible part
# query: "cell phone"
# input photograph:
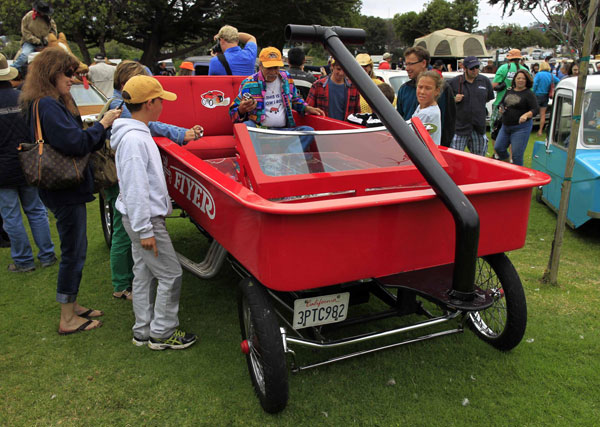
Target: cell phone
(246, 96)
(121, 105)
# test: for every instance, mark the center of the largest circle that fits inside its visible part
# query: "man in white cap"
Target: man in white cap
(386, 64)
(472, 93)
(144, 203)
(102, 75)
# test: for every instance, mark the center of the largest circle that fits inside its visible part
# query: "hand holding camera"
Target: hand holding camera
(248, 103)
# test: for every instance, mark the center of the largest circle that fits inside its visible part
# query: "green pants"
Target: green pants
(121, 262)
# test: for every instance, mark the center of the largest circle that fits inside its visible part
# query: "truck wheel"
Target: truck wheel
(106, 217)
(503, 324)
(265, 355)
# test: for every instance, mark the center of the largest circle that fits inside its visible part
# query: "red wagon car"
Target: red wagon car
(357, 217)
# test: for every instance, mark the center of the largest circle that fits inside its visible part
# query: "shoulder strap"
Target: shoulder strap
(223, 61)
(38, 126)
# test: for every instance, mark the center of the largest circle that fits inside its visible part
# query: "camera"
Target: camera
(216, 48)
(500, 87)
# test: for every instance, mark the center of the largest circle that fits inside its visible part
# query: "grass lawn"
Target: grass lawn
(100, 378)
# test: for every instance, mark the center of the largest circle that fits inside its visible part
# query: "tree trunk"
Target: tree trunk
(78, 38)
(551, 273)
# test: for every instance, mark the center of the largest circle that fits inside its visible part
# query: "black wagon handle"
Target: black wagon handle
(465, 216)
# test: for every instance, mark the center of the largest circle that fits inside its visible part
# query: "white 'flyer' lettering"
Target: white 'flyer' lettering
(195, 192)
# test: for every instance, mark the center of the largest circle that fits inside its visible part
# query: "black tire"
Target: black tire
(503, 324)
(539, 194)
(266, 358)
(106, 218)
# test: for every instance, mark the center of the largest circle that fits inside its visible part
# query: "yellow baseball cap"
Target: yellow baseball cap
(270, 57)
(139, 89)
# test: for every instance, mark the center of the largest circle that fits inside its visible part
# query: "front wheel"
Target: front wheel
(106, 218)
(265, 355)
(503, 324)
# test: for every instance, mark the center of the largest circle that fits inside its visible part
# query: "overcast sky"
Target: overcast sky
(488, 15)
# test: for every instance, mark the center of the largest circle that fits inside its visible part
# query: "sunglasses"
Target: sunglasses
(476, 67)
(69, 73)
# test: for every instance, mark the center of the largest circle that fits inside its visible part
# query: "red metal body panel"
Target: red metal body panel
(309, 244)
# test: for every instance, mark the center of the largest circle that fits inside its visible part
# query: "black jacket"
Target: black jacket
(13, 131)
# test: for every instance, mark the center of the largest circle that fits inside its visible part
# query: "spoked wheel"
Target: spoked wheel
(263, 346)
(503, 324)
(106, 217)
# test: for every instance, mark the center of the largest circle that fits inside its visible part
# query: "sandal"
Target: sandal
(126, 294)
(88, 314)
(82, 328)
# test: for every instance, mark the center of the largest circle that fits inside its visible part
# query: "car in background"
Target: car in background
(90, 101)
(395, 78)
(550, 156)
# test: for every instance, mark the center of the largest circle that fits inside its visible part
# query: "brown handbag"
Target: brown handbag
(47, 168)
(103, 164)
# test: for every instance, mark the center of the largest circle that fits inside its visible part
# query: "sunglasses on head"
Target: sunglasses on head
(69, 73)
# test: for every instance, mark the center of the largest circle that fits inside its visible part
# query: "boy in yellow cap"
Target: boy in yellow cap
(144, 203)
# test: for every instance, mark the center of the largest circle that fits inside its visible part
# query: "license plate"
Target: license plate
(320, 310)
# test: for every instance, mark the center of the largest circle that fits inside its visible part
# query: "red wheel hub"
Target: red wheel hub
(245, 347)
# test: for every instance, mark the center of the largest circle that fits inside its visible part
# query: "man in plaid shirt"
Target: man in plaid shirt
(335, 94)
(266, 99)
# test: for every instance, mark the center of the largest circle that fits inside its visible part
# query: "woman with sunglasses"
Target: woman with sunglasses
(49, 81)
(518, 107)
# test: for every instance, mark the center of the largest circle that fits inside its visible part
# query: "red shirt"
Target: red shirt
(384, 65)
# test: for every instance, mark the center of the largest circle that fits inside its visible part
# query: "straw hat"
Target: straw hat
(6, 72)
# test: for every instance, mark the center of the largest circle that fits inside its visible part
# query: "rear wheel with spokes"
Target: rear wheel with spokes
(265, 355)
(503, 324)
(106, 218)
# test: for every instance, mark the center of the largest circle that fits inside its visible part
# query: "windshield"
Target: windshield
(397, 81)
(282, 153)
(84, 97)
(591, 116)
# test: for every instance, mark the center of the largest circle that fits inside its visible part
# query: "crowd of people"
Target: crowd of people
(142, 255)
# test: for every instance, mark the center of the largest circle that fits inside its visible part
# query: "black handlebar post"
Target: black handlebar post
(465, 216)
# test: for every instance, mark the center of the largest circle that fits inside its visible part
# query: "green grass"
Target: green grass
(100, 378)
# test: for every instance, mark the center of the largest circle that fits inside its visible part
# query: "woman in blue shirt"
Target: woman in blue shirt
(541, 87)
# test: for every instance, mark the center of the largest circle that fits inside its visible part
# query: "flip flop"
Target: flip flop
(122, 295)
(82, 328)
(87, 314)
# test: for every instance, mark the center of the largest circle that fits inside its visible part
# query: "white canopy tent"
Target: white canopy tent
(449, 43)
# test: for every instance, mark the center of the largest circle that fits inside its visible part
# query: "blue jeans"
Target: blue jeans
(71, 225)
(11, 201)
(515, 135)
(26, 49)
(305, 140)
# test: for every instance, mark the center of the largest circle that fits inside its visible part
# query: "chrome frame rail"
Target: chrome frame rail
(209, 266)
(367, 337)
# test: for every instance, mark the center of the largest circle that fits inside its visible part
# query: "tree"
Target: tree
(160, 28)
(516, 36)
(267, 22)
(377, 37)
(567, 19)
(408, 27)
(438, 14)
